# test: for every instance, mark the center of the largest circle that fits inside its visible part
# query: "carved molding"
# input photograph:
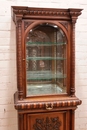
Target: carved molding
(47, 124)
(19, 59)
(49, 13)
(72, 102)
(41, 12)
(65, 24)
(26, 24)
(73, 61)
(74, 14)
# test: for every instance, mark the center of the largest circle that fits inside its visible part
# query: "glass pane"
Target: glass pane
(46, 60)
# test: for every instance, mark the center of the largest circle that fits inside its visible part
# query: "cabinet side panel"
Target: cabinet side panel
(21, 122)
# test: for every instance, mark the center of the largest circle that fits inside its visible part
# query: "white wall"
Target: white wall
(8, 115)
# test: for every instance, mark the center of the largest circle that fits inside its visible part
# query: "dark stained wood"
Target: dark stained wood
(19, 58)
(73, 59)
(51, 111)
(52, 120)
(58, 103)
(21, 121)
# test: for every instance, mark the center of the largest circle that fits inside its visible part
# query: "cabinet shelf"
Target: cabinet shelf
(44, 43)
(42, 89)
(45, 58)
(44, 75)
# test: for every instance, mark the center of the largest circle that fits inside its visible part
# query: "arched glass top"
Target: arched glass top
(46, 60)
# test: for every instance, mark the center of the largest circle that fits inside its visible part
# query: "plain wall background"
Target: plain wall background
(8, 83)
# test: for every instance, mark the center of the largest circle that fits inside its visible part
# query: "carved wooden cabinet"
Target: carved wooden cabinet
(45, 40)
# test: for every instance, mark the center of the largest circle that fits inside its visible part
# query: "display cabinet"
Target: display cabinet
(45, 44)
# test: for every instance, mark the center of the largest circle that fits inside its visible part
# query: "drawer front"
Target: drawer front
(48, 121)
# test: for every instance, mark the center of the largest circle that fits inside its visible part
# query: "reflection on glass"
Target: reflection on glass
(46, 60)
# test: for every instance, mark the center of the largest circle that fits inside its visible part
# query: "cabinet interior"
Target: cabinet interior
(46, 59)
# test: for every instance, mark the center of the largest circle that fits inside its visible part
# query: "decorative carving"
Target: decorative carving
(54, 12)
(42, 105)
(74, 14)
(27, 12)
(73, 61)
(26, 24)
(47, 124)
(19, 61)
(39, 12)
(65, 24)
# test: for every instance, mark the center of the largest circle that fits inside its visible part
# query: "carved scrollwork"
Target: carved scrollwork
(47, 124)
(26, 24)
(65, 24)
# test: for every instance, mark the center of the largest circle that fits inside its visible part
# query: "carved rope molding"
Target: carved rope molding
(19, 59)
(73, 60)
(42, 105)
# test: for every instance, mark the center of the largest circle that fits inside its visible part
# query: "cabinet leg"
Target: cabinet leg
(72, 126)
(20, 122)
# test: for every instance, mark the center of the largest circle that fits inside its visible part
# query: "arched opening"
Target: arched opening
(46, 59)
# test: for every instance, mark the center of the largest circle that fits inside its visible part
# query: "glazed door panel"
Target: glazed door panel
(48, 121)
(46, 60)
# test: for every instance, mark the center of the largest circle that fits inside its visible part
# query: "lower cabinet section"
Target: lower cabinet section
(45, 121)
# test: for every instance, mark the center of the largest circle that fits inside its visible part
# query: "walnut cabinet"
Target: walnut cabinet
(45, 44)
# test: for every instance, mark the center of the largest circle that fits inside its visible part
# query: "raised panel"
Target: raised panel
(48, 121)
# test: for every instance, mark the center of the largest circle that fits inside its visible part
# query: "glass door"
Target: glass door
(46, 60)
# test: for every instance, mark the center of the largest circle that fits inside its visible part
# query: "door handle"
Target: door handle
(49, 107)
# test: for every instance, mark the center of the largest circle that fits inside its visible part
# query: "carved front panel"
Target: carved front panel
(47, 124)
(48, 121)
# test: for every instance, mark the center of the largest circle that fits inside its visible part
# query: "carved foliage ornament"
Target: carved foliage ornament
(26, 24)
(65, 24)
(47, 124)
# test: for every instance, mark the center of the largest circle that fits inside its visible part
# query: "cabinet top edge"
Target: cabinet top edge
(24, 12)
(43, 8)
